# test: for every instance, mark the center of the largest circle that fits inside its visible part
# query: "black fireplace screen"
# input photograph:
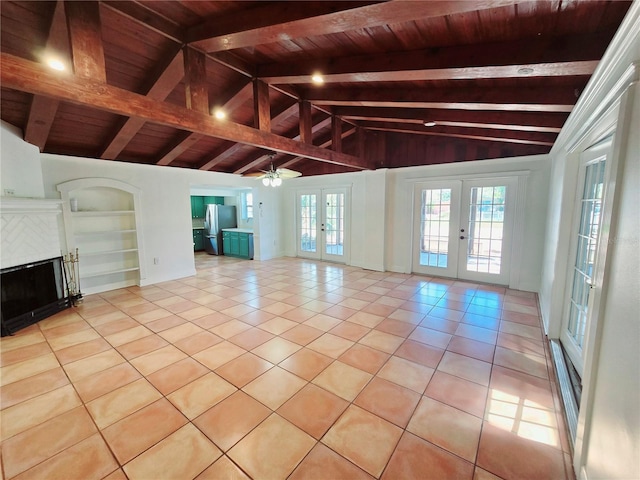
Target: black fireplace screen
(30, 293)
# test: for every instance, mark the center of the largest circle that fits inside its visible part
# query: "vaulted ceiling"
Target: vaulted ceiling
(403, 82)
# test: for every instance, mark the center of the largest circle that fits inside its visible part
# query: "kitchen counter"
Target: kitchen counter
(238, 230)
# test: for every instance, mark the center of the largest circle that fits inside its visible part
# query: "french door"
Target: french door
(323, 224)
(463, 228)
(584, 252)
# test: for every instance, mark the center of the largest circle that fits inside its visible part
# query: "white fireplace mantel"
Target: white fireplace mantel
(29, 230)
(19, 205)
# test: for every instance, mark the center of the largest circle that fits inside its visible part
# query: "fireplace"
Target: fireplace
(31, 269)
(30, 293)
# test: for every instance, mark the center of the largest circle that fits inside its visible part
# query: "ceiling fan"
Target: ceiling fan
(274, 176)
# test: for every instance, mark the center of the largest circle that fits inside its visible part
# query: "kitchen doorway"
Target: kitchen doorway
(463, 228)
(323, 224)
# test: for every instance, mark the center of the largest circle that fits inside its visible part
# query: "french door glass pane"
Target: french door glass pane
(434, 227)
(588, 232)
(334, 224)
(485, 231)
(308, 223)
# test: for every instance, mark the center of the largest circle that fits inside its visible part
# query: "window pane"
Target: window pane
(434, 227)
(308, 223)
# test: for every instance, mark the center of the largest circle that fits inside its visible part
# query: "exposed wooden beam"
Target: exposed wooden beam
(326, 144)
(271, 23)
(163, 83)
(148, 18)
(195, 80)
(261, 106)
(556, 69)
(249, 166)
(43, 110)
(522, 99)
(85, 39)
(441, 123)
(221, 155)
(234, 98)
(336, 133)
(197, 99)
(171, 30)
(27, 76)
(514, 137)
(284, 113)
(41, 115)
(228, 151)
(541, 57)
(526, 121)
(261, 159)
(178, 146)
(305, 122)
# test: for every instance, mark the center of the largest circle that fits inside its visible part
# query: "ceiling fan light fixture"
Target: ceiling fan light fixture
(266, 181)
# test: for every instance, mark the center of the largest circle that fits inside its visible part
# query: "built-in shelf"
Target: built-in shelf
(102, 213)
(105, 230)
(109, 252)
(109, 272)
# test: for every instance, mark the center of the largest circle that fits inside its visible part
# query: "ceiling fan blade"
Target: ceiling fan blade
(254, 174)
(286, 173)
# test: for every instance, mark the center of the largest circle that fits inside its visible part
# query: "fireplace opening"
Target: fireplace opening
(30, 293)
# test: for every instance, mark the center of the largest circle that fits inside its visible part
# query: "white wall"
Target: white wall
(382, 213)
(20, 173)
(166, 208)
(268, 224)
(367, 222)
(613, 443)
(608, 438)
(527, 255)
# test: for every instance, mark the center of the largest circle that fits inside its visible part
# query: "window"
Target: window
(247, 205)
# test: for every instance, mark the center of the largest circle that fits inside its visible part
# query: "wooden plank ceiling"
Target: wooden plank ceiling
(144, 80)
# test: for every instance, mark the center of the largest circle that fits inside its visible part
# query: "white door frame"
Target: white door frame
(588, 157)
(458, 240)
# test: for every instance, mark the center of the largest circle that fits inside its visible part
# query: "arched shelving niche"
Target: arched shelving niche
(106, 229)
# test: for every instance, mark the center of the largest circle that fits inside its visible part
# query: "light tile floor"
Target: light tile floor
(285, 369)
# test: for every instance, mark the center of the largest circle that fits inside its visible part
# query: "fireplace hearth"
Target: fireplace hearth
(31, 292)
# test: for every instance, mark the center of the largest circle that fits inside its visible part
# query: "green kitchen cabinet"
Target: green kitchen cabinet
(243, 245)
(237, 244)
(198, 240)
(230, 245)
(214, 200)
(199, 204)
(197, 207)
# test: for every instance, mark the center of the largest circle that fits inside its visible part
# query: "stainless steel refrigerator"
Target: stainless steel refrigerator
(217, 217)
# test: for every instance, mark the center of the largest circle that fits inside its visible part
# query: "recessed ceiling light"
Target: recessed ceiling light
(525, 71)
(430, 124)
(317, 78)
(219, 114)
(56, 64)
